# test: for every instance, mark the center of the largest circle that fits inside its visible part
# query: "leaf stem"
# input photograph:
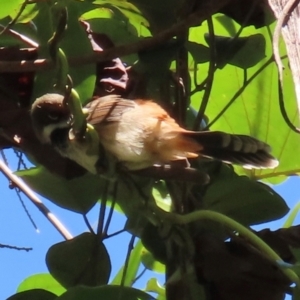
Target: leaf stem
(233, 225)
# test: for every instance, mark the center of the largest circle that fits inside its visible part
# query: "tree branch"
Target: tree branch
(193, 19)
(35, 200)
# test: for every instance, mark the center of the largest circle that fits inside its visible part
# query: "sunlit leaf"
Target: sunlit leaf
(108, 292)
(9, 7)
(154, 287)
(256, 111)
(150, 263)
(41, 281)
(133, 267)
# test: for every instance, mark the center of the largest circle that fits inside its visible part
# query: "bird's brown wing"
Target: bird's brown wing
(107, 109)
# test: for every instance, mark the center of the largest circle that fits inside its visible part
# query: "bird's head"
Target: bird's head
(51, 119)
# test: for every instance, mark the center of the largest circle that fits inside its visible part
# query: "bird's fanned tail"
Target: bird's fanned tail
(237, 149)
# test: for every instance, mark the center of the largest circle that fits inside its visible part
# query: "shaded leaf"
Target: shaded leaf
(248, 275)
(154, 243)
(285, 241)
(81, 261)
(296, 293)
(41, 281)
(78, 194)
(34, 294)
(246, 201)
(105, 293)
(160, 14)
(132, 13)
(242, 52)
(200, 53)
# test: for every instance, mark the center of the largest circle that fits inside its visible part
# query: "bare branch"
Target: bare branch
(35, 200)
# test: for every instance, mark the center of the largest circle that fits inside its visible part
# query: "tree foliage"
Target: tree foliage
(210, 64)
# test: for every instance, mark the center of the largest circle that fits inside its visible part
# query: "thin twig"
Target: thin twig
(87, 223)
(108, 236)
(15, 247)
(35, 200)
(20, 37)
(13, 21)
(108, 54)
(283, 110)
(18, 191)
(111, 210)
(102, 209)
(210, 76)
(281, 19)
(139, 276)
(130, 247)
(25, 209)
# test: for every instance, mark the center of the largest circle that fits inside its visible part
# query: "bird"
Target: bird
(140, 134)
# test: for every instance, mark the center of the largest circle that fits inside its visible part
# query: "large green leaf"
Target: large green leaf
(132, 13)
(9, 7)
(245, 200)
(160, 14)
(41, 281)
(81, 261)
(35, 294)
(108, 292)
(78, 194)
(256, 111)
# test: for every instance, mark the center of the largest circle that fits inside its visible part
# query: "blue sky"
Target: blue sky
(16, 230)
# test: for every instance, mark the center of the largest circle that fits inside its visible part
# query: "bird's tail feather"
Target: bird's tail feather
(237, 149)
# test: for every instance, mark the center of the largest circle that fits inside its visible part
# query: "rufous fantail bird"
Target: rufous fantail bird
(140, 134)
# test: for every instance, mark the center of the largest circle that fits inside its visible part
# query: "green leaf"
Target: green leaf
(132, 13)
(154, 287)
(200, 53)
(154, 243)
(246, 201)
(151, 263)
(84, 76)
(78, 194)
(160, 14)
(41, 281)
(119, 31)
(255, 111)
(35, 294)
(108, 292)
(81, 261)
(242, 52)
(8, 7)
(28, 14)
(296, 293)
(133, 267)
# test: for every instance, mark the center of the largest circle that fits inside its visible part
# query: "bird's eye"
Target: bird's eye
(53, 116)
